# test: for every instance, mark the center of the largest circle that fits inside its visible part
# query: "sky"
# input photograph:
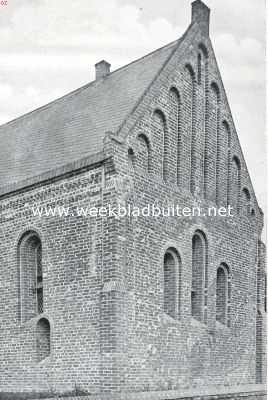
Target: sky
(49, 48)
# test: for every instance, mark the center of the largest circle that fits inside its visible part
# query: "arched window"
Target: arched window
(212, 150)
(223, 295)
(202, 65)
(42, 339)
(245, 202)
(171, 282)
(144, 156)
(199, 276)
(235, 183)
(190, 107)
(131, 157)
(224, 143)
(159, 121)
(199, 68)
(31, 276)
(175, 128)
(203, 103)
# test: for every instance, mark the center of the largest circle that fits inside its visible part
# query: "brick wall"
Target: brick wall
(164, 352)
(106, 292)
(77, 258)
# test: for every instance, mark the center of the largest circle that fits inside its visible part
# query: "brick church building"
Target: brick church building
(169, 307)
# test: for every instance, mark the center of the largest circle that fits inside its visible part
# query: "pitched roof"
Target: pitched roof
(73, 126)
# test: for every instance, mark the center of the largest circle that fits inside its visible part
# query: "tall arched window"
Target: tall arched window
(171, 282)
(199, 276)
(223, 289)
(203, 103)
(202, 66)
(224, 143)
(42, 339)
(144, 156)
(175, 129)
(212, 151)
(190, 108)
(199, 68)
(159, 122)
(245, 202)
(31, 276)
(235, 183)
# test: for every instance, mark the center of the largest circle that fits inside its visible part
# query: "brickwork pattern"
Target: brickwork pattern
(107, 282)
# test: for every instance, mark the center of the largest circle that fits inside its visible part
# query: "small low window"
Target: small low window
(144, 156)
(171, 282)
(42, 339)
(199, 281)
(223, 295)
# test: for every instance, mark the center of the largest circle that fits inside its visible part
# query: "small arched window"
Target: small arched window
(131, 157)
(42, 339)
(175, 129)
(212, 145)
(202, 65)
(31, 276)
(199, 276)
(245, 202)
(225, 144)
(235, 183)
(223, 295)
(199, 68)
(171, 282)
(144, 156)
(159, 121)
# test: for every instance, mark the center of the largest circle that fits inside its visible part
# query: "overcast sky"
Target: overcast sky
(49, 47)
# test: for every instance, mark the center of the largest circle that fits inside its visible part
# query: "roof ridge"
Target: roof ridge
(84, 87)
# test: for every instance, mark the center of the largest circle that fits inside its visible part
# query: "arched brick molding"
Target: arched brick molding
(224, 143)
(131, 157)
(144, 157)
(235, 183)
(190, 109)
(43, 337)
(160, 130)
(172, 267)
(211, 157)
(30, 276)
(199, 276)
(199, 69)
(245, 202)
(202, 65)
(223, 294)
(175, 131)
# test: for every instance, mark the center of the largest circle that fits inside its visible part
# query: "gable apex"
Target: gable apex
(201, 15)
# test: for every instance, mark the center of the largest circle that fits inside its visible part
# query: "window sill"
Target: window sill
(222, 327)
(45, 361)
(168, 320)
(198, 324)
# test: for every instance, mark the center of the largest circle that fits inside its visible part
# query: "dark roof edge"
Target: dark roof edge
(54, 174)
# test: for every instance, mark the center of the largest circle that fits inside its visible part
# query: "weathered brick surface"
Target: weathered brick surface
(103, 277)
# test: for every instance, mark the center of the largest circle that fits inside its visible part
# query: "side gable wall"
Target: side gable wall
(165, 353)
